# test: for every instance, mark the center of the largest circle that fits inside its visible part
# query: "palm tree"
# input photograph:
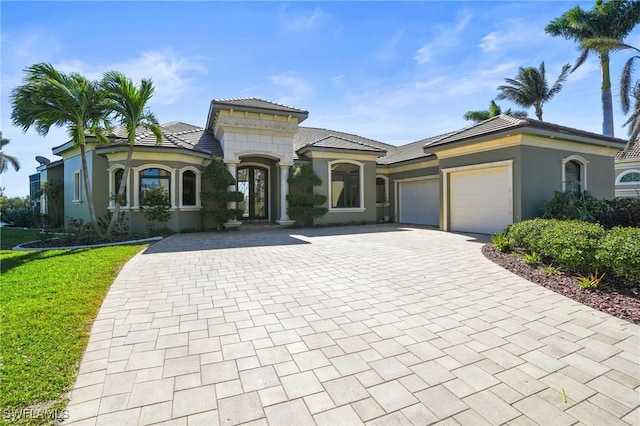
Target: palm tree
(628, 88)
(6, 159)
(129, 103)
(613, 19)
(48, 98)
(530, 88)
(493, 111)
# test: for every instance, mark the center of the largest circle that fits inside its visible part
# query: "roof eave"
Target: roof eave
(306, 149)
(109, 149)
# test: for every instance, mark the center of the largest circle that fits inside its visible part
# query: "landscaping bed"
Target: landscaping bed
(615, 296)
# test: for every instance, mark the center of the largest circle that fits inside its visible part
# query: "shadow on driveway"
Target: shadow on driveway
(262, 238)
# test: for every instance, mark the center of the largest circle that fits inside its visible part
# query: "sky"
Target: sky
(395, 71)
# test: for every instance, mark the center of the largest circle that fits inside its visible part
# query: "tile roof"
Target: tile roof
(337, 142)
(258, 104)
(634, 152)
(307, 136)
(504, 122)
(174, 135)
(410, 151)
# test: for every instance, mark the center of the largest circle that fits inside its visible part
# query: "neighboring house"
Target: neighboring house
(477, 179)
(628, 172)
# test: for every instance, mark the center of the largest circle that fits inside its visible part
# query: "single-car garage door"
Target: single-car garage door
(481, 200)
(420, 202)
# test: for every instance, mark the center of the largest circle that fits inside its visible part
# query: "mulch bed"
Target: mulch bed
(616, 297)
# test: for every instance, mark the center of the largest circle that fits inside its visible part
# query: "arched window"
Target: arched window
(574, 174)
(630, 177)
(153, 179)
(346, 185)
(189, 188)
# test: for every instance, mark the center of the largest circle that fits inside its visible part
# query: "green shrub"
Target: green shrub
(156, 206)
(574, 206)
(502, 242)
(216, 178)
(620, 251)
(621, 212)
(304, 205)
(570, 244)
(521, 233)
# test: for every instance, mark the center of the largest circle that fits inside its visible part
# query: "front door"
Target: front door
(253, 183)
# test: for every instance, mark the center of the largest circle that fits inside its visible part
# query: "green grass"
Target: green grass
(48, 301)
(11, 237)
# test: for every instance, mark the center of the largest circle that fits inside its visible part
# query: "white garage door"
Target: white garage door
(420, 202)
(481, 200)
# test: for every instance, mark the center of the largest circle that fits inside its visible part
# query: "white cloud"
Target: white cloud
(444, 39)
(301, 21)
(516, 33)
(171, 73)
(296, 89)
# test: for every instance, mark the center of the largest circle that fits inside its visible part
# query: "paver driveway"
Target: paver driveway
(375, 324)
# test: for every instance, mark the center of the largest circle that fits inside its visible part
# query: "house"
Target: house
(477, 179)
(628, 172)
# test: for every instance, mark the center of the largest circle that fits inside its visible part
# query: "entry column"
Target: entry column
(284, 191)
(231, 167)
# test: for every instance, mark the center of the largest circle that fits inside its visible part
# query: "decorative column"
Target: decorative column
(284, 191)
(231, 167)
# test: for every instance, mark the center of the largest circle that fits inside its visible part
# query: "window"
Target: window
(188, 188)
(117, 181)
(153, 179)
(574, 174)
(381, 190)
(77, 187)
(630, 177)
(345, 186)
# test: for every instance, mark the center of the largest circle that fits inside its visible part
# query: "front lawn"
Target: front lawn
(11, 237)
(48, 302)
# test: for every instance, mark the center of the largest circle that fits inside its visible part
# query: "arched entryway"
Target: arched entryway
(253, 182)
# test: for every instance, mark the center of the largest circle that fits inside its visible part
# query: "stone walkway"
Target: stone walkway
(343, 326)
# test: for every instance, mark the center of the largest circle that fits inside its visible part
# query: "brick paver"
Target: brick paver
(372, 324)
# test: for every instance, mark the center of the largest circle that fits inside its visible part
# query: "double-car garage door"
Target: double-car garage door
(479, 200)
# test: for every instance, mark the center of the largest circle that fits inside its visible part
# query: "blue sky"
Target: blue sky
(392, 71)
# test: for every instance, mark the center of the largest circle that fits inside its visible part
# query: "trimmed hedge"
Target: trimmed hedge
(584, 206)
(620, 251)
(581, 246)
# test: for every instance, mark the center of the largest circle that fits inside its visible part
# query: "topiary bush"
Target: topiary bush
(156, 206)
(216, 178)
(620, 251)
(304, 205)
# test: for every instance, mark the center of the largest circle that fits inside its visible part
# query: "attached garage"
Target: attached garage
(419, 201)
(480, 198)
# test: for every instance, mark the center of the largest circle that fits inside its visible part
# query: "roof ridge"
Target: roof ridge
(253, 98)
(350, 134)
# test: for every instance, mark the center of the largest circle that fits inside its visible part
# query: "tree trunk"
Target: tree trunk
(121, 190)
(607, 102)
(87, 185)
